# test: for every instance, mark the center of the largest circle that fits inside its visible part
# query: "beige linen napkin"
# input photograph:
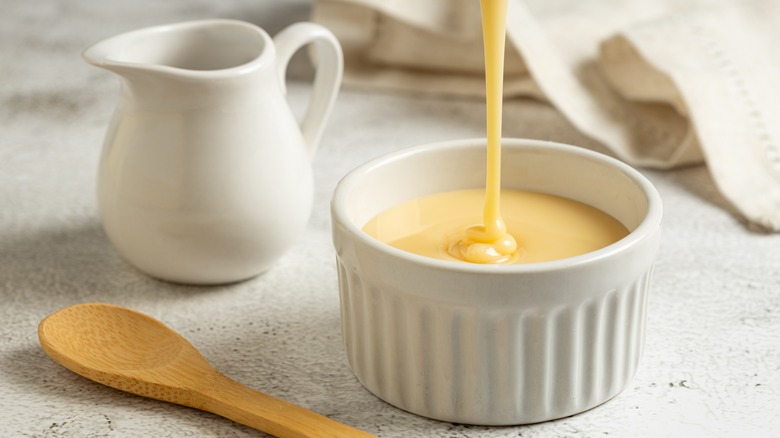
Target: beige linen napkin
(661, 83)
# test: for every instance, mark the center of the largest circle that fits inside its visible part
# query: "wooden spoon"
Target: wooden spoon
(133, 352)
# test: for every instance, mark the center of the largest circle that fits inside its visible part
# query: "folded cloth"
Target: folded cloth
(662, 84)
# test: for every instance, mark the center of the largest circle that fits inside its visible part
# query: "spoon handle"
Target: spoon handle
(230, 399)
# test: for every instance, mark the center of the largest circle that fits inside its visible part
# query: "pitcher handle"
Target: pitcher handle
(329, 70)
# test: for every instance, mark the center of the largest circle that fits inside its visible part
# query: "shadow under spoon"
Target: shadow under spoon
(133, 352)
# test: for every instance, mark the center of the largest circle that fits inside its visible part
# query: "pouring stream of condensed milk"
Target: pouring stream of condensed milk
(490, 243)
(449, 226)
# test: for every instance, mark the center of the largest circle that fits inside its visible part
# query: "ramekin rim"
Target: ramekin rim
(649, 224)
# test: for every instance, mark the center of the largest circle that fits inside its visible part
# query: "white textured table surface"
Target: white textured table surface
(712, 358)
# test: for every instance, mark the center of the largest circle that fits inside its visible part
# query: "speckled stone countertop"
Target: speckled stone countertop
(711, 366)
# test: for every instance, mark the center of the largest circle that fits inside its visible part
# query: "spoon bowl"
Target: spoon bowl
(133, 352)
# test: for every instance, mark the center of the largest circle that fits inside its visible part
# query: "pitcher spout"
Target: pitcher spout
(104, 54)
(140, 79)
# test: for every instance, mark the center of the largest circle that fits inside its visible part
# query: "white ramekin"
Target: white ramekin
(494, 345)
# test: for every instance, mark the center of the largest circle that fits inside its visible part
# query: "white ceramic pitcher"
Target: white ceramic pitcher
(205, 174)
